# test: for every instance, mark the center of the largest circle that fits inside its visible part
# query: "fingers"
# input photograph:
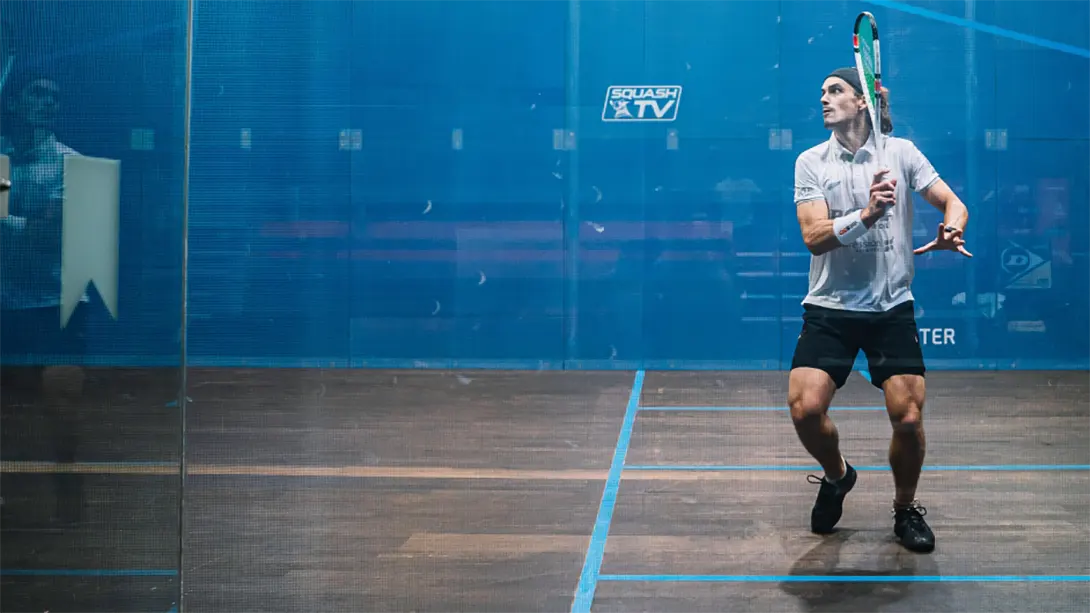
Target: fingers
(952, 236)
(884, 186)
(959, 246)
(948, 239)
(882, 194)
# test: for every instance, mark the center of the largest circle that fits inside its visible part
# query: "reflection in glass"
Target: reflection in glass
(91, 133)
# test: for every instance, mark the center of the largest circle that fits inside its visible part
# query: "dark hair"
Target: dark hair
(850, 76)
(18, 81)
(884, 117)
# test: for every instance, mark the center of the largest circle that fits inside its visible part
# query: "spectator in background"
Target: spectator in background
(34, 349)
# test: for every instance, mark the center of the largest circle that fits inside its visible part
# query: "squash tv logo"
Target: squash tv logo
(641, 103)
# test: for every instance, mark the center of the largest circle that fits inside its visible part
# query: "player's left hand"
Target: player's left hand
(948, 239)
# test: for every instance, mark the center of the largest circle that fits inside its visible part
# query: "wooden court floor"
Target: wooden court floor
(312, 490)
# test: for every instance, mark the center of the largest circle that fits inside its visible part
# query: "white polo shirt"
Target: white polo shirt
(30, 269)
(873, 274)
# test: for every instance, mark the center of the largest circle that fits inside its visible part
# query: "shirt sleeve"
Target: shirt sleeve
(806, 183)
(918, 169)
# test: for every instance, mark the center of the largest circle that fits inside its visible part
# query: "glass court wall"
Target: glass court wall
(443, 185)
(92, 256)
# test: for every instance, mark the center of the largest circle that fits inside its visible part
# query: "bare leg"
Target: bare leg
(905, 396)
(809, 394)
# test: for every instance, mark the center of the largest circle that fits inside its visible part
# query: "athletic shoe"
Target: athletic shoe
(830, 500)
(911, 529)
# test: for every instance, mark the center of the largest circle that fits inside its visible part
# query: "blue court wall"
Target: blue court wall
(425, 183)
(119, 71)
(431, 184)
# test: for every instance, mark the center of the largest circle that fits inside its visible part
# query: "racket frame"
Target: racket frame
(874, 100)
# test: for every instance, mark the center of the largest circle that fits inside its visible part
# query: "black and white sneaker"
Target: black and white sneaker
(830, 500)
(911, 529)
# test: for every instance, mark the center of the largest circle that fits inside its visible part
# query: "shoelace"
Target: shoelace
(816, 480)
(914, 512)
(834, 488)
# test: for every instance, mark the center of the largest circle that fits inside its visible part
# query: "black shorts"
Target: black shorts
(832, 338)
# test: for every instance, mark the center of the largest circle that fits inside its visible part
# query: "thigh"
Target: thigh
(828, 343)
(905, 398)
(892, 345)
(809, 392)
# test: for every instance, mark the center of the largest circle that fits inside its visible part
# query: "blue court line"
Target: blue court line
(783, 408)
(852, 578)
(86, 572)
(781, 467)
(982, 27)
(592, 563)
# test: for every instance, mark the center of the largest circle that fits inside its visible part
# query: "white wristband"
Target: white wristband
(849, 228)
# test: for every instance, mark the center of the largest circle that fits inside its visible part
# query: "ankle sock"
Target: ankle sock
(845, 474)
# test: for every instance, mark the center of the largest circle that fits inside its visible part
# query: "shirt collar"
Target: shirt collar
(841, 152)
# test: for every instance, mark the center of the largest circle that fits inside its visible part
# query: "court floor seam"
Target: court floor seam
(846, 578)
(439, 473)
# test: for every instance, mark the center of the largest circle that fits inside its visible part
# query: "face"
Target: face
(37, 103)
(840, 105)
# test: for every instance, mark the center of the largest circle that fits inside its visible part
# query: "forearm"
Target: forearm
(820, 235)
(956, 214)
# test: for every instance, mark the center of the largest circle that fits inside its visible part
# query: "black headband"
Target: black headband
(851, 75)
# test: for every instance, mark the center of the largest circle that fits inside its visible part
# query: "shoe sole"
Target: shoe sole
(920, 549)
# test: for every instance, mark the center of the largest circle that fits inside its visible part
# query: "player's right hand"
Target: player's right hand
(882, 192)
